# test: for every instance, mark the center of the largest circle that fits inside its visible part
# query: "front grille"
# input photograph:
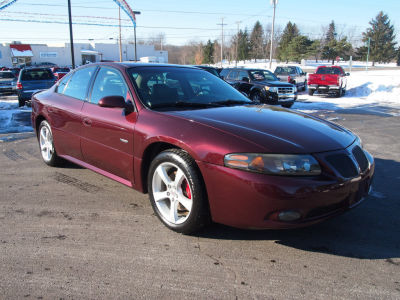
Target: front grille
(343, 164)
(360, 158)
(285, 90)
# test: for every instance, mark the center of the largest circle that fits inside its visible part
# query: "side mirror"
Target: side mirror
(114, 102)
(245, 79)
(347, 74)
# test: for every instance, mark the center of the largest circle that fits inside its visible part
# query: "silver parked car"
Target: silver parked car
(8, 82)
(293, 75)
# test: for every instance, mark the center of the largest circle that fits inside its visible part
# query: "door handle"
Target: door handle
(87, 122)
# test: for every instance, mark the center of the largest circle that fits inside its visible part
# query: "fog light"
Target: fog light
(289, 216)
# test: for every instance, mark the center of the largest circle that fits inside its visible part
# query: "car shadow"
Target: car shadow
(369, 231)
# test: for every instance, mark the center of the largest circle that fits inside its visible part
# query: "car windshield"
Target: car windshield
(172, 87)
(37, 74)
(285, 70)
(6, 75)
(262, 75)
(328, 70)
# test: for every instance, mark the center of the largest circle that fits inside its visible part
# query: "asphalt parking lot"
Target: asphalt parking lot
(69, 233)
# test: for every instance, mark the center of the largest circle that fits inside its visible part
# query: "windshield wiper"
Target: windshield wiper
(233, 102)
(185, 104)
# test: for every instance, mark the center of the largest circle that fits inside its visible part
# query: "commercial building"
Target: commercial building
(18, 54)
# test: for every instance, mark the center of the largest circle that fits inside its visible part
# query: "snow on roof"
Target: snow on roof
(21, 50)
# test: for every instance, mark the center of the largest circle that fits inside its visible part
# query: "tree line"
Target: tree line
(291, 45)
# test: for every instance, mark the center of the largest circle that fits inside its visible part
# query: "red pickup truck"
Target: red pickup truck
(328, 80)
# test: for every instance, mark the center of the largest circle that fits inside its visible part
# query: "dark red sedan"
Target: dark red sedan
(201, 149)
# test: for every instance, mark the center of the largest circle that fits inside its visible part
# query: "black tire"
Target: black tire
(311, 92)
(256, 97)
(52, 159)
(287, 105)
(21, 101)
(339, 93)
(189, 221)
(305, 85)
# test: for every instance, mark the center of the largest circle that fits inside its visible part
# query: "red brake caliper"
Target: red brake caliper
(187, 190)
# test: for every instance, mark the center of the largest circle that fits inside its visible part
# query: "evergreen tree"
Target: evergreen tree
(381, 33)
(243, 45)
(298, 48)
(335, 48)
(398, 57)
(257, 41)
(331, 33)
(208, 52)
(315, 49)
(290, 32)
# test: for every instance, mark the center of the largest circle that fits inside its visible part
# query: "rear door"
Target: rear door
(244, 82)
(65, 114)
(107, 135)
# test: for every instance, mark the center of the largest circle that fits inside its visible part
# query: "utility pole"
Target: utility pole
(274, 3)
(120, 38)
(222, 39)
(71, 38)
(369, 43)
(237, 42)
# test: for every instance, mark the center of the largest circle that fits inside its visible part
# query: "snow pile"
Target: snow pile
(13, 118)
(373, 91)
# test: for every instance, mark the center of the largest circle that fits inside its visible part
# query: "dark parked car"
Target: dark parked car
(8, 82)
(60, 72)
(32, 80)
(261, 86)
(200, 148)
(292, 74)
(209, 69)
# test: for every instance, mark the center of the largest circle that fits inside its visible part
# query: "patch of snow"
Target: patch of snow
(10, 120)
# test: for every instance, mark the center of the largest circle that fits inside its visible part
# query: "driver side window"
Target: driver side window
(109, 82)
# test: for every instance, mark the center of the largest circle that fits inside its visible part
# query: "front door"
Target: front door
(107, 137)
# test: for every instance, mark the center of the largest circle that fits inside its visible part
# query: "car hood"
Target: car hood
(274, 129)
(275, 83)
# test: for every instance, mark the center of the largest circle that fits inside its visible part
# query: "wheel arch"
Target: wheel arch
(151, 151)
(38, 120)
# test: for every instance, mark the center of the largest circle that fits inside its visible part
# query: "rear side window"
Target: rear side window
(78, 84)
(233, 75)
(37, 74)
(108, 82)
(63, 83)
(4, 75)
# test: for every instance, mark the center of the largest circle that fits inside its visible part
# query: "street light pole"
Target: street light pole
(237, 42)
(274, 2)
(120, 38)
(71, 38)
(134, 33)
(222, 40)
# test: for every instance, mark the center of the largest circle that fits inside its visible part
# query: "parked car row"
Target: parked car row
(281, 86)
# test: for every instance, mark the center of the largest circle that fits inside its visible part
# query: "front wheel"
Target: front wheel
(256, 97)
(311, 92)
(46, 145)
(177, 193)
(288, 105)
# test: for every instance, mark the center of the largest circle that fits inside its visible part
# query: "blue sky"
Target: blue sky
(183, 21)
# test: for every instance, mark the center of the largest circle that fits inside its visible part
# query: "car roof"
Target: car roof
(136, 64)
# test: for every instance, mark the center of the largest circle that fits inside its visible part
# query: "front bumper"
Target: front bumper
(249, 200)
(324, 89)
(277, 98)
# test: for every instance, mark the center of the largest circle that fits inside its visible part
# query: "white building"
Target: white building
(17, 54)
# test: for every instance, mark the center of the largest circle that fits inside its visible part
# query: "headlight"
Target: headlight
(274, 164)
(271, 89)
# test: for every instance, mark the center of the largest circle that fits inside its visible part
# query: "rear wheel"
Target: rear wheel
(21, 101)
(339, 93)
(177, 193)
(46, 145)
